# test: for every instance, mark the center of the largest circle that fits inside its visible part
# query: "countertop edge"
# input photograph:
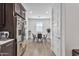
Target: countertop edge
(6, 41)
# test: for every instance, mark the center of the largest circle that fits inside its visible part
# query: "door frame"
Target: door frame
(63, 29)
(63, 23)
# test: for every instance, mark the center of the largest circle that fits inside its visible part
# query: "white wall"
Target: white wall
(63, 29)
(72, 30)
(32, 25)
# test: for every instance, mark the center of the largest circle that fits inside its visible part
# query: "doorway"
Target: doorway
(37, 30)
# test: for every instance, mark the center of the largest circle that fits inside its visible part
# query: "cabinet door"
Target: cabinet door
(17, 8)
(4, 50)
(2, 14)
(22, 12)
(7, 49)
(10, 48)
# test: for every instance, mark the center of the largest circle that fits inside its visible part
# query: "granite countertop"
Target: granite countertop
(5, 41)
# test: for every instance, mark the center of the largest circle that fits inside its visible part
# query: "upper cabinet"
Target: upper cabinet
(20, 10)
(17, 8)
(2, 15)
(8, 13)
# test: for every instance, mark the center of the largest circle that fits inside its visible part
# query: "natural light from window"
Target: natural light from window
(39, 26)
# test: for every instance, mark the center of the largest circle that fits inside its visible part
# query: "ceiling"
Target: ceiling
(39, 10)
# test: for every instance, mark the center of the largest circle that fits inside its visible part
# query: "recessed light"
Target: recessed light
(47, 12)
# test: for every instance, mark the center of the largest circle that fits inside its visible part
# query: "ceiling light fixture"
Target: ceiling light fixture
(46, 12)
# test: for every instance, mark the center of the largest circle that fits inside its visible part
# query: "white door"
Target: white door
(56, 29)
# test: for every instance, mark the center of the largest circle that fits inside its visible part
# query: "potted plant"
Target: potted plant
(48, 30)
(48, 33)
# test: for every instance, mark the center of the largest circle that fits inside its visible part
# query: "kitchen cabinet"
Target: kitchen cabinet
(12, 10)
(7, 49)
(22, 11)
(19, 20)
(20, 35)
(8, 18)
(19, 9)
(2, 14)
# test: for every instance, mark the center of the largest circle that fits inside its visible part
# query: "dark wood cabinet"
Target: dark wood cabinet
(11, 10)
(7, 49)
(17, 8)
(10, 48)
(2, 14)
(8, 12)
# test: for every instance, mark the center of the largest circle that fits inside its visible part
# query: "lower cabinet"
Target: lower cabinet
(7, 49)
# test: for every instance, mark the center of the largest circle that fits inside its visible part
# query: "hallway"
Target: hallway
(43, 24)
(36, 30)
(38, 49)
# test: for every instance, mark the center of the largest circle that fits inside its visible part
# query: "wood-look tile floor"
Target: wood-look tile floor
(38, 49)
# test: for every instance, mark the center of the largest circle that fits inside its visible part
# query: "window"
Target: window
(39, 26)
